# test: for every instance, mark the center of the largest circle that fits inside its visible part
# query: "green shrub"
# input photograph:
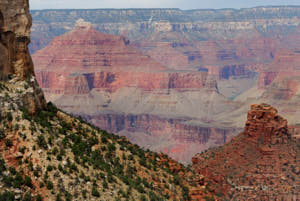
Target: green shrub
(84, 193)
(27, 197)
(7, 196)
(95, 192)
(12, 170)
(38, 198)
(18, 181)
(8, 143)
(49, 168)
(9, 116)
(42, 142)
(49, 185)
(2, 166)
(143, 198)
(36, 173)
(28, 182)
(2, 134)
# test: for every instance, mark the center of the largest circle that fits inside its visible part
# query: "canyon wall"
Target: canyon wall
(15, 26)
(136, 23)
(229, 44)
(175, 137)
(198, 69)
(107, 80)
(15, 60)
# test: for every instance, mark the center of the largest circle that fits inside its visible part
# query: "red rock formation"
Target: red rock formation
(106, 62)
(264, 122)
(258, 164)
(59, 82)
(90, 64)
(86, 49)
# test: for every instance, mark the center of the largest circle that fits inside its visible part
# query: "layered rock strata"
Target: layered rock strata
(105, 79)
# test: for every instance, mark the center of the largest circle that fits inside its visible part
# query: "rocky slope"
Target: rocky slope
(262, 163)
(52, 155)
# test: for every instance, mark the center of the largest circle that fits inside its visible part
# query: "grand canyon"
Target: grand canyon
(169, 80)
(149, 104)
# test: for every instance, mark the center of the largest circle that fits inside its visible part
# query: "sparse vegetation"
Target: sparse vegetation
(84, 154)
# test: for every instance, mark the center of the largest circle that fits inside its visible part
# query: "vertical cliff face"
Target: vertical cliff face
(15, 60)
(15, 21)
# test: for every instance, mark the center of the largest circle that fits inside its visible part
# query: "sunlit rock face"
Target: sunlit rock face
(15, 23)
(15, 60)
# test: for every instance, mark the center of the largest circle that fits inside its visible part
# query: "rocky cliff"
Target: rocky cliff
(15, 60)
(260, 164)
(15, 26)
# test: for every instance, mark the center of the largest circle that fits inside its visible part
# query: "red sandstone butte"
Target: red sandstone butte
(85, 59)
(264, 156)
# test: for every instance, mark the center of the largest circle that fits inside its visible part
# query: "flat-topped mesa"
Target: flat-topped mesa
(263, 122)
(15, 60)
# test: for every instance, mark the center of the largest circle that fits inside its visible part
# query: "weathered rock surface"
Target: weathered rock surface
(15, 60)
(259, 163)
(263, 121)
(278, 84)
(15, 23)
